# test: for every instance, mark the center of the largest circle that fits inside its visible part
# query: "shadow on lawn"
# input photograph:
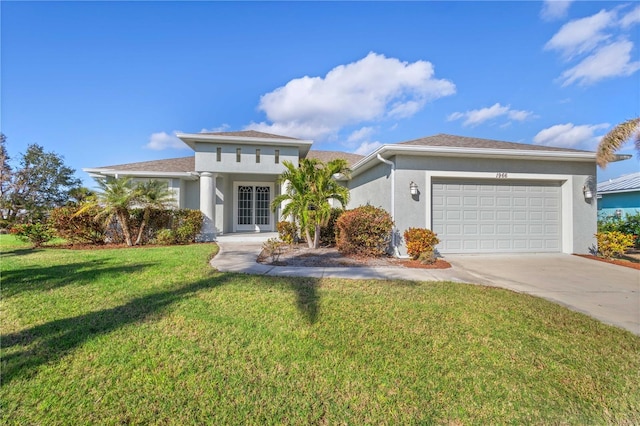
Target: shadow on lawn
(50, 342)
(45, 278)
(19, 252)
(307, 298)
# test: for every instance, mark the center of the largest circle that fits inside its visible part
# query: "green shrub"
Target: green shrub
(364, 231)
(629, 225)
(288, 231)
(77, 227)
(421, 244)
(36, 233)
(328, 232)
(187, 224)
(165, 237)
(615, 243)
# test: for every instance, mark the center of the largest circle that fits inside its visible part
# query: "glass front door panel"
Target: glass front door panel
(253, 208)
(263, 198)
(245, 205)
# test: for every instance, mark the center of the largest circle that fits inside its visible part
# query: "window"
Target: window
(218, 154)
(238, 154)
(277, 156)
(257, 155)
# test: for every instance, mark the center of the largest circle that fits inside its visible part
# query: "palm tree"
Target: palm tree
(152, 194)
(310, 187)
(115, 197)
(613, 141)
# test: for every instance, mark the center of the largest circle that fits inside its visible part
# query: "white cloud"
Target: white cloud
(478, 116)
(371, 89)
(358, 135)
(570, 136)
(163, 140)
(582, 35)
(554, 9)
(612, 60)
(367, 148)
(223, 128)
(631, 18)
(600, 44)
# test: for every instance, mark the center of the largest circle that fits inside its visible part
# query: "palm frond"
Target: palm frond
(613, 141)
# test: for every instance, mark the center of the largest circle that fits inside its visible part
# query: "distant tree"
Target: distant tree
(5, 168)
(41, 183)
(152, 194)
(613, 141)
(80, 195)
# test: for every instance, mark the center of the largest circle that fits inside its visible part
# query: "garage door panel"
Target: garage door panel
(494, 216)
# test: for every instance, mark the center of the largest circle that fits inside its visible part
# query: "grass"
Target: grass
(152, 335)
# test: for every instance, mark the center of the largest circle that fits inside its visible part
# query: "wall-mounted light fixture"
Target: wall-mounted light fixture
(618, 213)
(587, 193)
(413, 188)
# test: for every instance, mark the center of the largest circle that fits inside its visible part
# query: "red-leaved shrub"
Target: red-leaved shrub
(364, 231)
(421, 244)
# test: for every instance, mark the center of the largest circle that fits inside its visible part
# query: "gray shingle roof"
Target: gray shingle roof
(182, 164)
(445, 140)
(326, 156)
(623, 183)
(250, 134)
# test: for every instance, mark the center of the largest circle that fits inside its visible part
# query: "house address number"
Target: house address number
(501, 175)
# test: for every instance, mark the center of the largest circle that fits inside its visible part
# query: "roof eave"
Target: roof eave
(101, 172)
(191, 139)
(619, 191)
(475, 152)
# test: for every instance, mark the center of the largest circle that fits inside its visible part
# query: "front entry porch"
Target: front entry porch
(246, 237)
(238, 205)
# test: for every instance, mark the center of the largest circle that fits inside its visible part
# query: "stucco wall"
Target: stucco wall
(191, 198)
(371, 187)
(627, 202)
(206, 158)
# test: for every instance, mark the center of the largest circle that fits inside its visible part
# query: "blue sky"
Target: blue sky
(110, 83)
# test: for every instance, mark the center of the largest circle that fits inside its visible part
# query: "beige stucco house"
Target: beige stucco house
(478, 195)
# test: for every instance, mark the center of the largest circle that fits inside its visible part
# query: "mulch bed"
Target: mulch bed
(330, 257)
(620, 262)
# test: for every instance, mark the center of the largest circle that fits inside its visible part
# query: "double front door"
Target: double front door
(253, 206)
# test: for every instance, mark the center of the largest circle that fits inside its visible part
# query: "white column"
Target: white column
(207, 205)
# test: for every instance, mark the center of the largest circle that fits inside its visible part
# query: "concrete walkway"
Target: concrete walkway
(241, 257)
(606, 292)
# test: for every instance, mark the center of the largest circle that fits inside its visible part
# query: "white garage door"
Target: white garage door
(489, 216)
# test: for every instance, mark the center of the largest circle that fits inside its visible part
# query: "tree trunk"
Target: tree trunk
(316, 238)
(308, 235)
(145, 219)
(124, 224)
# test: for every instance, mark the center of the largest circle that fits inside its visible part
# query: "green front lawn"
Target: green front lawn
(152, 335)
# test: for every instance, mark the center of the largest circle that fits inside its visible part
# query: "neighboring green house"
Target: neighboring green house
(619, 197)
(479, 195)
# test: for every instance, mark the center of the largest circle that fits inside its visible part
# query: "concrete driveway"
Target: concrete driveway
(607, 292)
